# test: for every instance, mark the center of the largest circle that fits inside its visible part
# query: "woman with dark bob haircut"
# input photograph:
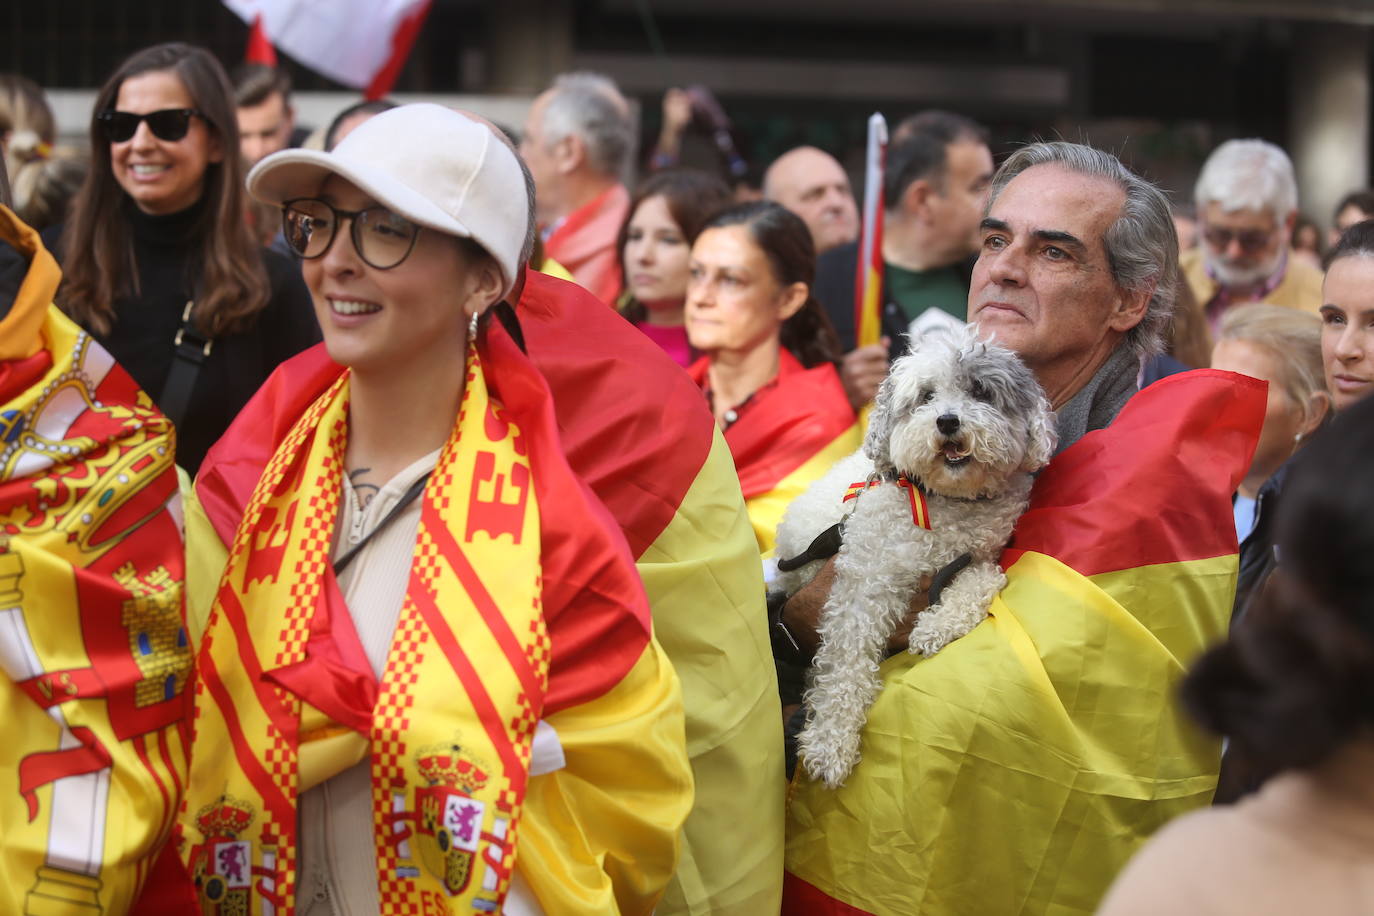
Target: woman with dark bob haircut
(769, 366)
(158, 261)
(666, 213)
(1293, 690)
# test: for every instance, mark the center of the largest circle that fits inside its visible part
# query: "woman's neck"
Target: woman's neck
(734, 375)
(661, 316)
(400, 415)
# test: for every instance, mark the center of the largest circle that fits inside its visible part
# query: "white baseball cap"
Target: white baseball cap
(428, 163)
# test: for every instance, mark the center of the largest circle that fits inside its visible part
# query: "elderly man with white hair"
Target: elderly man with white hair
(1247, 203)
(577, 140)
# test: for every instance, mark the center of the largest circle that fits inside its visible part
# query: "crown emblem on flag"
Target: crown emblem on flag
(449, 765)
(226, 817)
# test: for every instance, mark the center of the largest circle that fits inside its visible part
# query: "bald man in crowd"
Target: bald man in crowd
(813, 185)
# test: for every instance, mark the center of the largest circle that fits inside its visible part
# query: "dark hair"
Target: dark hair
(692, 197)
(1358, 240)
(229, 279)
(254, 83)
(367, 106)
(1362, 200)
(918, 151)
(786, 242)
(1295, 682)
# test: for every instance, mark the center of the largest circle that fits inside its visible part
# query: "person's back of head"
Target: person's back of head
(1295, 682)
(44, 187)
(26, 121)
(347, 120)
(590, 107)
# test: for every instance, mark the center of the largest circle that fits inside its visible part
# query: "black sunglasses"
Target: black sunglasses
(168, 124)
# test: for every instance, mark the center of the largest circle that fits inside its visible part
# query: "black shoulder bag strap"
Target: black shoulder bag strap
(190, 349)
(408, 497)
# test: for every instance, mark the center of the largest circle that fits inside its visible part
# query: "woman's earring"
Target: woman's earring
(472, 327)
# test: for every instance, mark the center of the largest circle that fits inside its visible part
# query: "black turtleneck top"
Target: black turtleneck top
(145, 327)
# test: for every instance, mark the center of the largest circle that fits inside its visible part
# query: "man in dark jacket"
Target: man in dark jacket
(934, 191)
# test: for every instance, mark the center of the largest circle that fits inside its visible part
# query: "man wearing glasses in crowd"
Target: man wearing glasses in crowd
(1247, 203)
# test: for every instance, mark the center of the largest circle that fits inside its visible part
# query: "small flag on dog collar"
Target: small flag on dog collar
(920, 512)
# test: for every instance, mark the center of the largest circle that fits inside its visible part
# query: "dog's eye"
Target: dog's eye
(926, 395)
(980, 391)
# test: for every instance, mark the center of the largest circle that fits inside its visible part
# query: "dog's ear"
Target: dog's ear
(1042, 434)
(876, 445)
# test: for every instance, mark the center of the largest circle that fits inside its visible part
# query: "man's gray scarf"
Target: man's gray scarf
(1097, 403)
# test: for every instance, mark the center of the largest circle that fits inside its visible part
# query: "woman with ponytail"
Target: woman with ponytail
(1293, 692)
(770, 353)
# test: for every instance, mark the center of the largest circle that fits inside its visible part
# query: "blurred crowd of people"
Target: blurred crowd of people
(478, 501)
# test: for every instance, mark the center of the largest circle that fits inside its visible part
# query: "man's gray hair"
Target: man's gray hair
(1248, 175)
(1141, 246)
(590, 107)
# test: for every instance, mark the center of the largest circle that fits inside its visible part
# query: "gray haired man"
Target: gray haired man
(1247, 204)
(1017, 770)
(577, 141)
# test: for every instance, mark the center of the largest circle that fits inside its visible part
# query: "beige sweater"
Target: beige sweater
(1304, 844)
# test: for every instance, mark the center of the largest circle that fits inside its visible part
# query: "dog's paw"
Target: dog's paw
(830, 771)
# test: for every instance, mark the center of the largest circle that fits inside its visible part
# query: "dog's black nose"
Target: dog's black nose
(947, 423)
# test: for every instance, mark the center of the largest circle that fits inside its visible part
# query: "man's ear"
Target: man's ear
(568, 154)
(1130, 309)
(916, 197)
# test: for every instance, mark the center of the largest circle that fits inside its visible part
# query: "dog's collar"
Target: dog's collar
(894, 476)
(916, 494)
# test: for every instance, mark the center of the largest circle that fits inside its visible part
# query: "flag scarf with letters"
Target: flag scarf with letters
(1017, 770)
(522, 604)
(93, 653)
(651, 452)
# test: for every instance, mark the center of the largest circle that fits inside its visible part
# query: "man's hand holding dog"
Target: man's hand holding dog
(802, 613)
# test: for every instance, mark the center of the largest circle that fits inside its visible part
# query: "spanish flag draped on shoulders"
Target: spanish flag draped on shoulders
(1018, 770)
(94, 657)
(787, 435)
(638, 431)
(523, 615)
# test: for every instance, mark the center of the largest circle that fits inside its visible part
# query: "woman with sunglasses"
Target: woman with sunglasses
(158, 261)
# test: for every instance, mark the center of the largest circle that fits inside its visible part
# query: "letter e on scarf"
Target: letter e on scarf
(489, 511)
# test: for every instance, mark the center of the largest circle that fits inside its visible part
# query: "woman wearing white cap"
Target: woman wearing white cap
(427, 682)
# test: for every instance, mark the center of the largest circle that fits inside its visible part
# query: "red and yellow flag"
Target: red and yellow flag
(868, 280)
(635, 428)
(94, 657)
(1018, 770)
(793, 430)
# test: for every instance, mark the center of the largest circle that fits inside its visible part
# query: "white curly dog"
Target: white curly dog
(957, 430)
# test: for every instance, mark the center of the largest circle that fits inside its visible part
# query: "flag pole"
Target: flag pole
(868, 277)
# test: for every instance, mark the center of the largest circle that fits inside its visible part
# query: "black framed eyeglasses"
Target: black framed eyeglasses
(169, 124)
(382, 239)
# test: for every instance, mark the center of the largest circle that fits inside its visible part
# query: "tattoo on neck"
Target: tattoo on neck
(363, 489)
